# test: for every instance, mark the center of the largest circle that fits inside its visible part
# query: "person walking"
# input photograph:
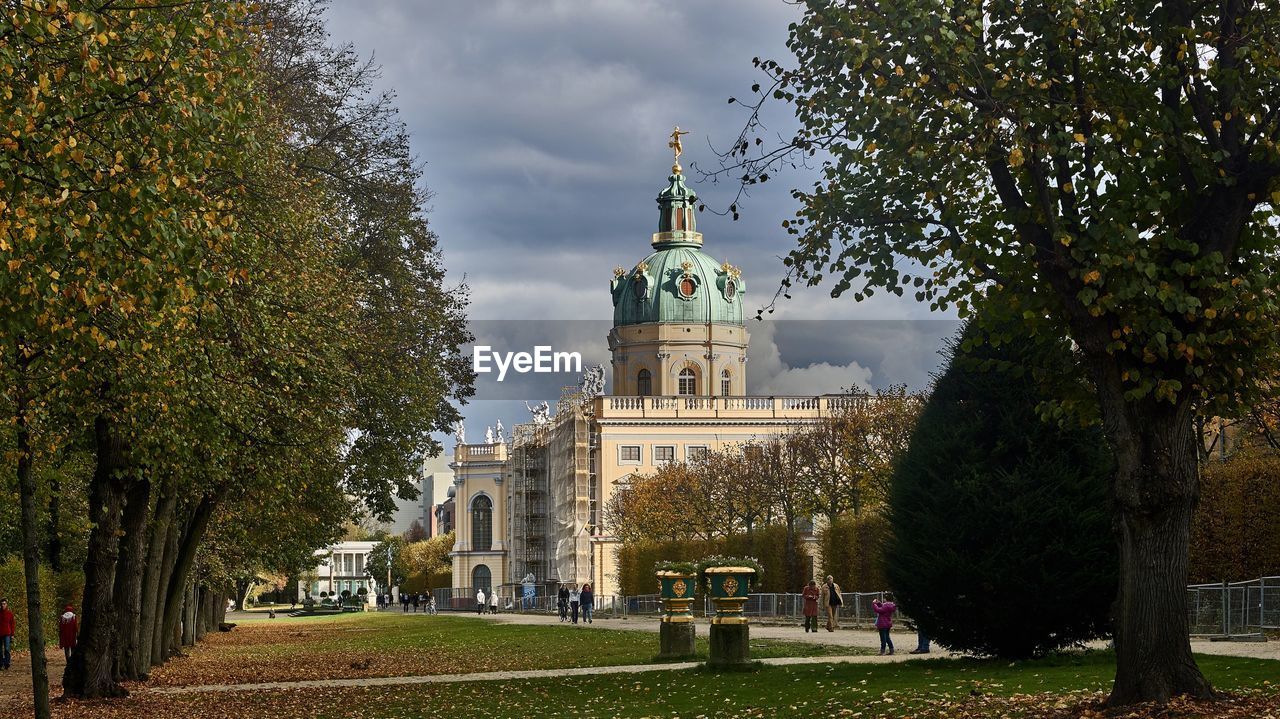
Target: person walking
(834, 601)
(562, 603)
(416, 598)
(922, 640)
(574, 597)
(493, 601)
(587, 599)
(68, 628)
(884, 621)
(811, 595)
(404, 603)
(8, 627)
(480, 601)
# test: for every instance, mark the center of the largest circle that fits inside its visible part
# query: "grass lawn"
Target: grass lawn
(1060, 687)
(392, 644)
(926, 688)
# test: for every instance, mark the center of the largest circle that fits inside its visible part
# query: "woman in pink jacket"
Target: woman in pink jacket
(884, 620)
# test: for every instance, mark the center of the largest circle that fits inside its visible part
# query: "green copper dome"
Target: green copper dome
(678, 282)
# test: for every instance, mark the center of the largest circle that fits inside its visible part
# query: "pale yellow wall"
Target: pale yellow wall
(665, 349)
(478, 470)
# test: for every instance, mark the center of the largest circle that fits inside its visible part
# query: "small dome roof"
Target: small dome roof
(678, 282)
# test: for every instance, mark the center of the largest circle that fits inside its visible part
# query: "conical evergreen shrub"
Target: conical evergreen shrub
(1002, 541)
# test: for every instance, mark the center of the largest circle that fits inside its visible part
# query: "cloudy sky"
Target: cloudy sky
(543, 126)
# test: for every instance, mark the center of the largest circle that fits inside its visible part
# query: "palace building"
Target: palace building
(532, 505)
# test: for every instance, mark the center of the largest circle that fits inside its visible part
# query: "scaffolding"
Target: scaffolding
(570, 482)
(528, 480)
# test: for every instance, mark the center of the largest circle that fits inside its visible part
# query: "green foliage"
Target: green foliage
(1235, 535)
(671, 565)
(12, 587)
(853, 550)
(1002, 541)
(637, 560)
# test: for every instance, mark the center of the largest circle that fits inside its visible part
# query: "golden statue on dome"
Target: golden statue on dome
(676, 147)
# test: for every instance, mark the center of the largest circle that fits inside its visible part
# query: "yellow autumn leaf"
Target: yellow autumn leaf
(1015, 157)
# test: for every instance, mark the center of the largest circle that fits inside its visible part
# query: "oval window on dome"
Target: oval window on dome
(687, 287)
(730, 289)
(641, 286)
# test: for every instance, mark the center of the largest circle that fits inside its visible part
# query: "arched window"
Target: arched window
(481, 524)
(724, 383)
(644, 383)
(688, 384)
(481, 578)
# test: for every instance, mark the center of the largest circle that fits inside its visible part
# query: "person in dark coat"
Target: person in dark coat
(587, 600)
(562, 602)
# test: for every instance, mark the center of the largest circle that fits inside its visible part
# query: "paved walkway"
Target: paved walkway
(507, 676)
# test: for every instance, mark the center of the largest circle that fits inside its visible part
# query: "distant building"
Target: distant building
(341, 568)
(679, 352)
(444, 514)
(433, 480)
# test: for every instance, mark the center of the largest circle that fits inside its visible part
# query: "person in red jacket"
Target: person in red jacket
(68, 628)
(811, 595)
(8, 627)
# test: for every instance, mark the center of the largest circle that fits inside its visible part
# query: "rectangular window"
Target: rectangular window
(662, 455)
(629, 453)
(695, 452)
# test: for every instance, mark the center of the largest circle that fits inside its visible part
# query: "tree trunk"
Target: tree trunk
(1155, 491)
(183, 560)
(242, 590)
(129, 569)
(202, 613)
(89, 673)
(163, 629)
(30, 546)
(189, 616)
(144, 634)
(53, 541)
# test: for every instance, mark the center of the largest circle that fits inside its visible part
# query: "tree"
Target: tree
(387, 562)
(1000, 541)
(415, 532)
(850, 454)
(1104, 172)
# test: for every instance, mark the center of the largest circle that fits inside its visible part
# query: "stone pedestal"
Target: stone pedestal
(676, 640)
(730, 645)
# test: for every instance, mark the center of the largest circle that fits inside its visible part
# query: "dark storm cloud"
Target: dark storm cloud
(543, 125)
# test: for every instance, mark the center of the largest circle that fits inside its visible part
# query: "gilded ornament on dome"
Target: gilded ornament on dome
(687, 266)
(619, 271)
(642, 268)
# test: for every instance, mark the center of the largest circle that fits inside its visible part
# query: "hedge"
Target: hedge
(768, 545)
(55, 592)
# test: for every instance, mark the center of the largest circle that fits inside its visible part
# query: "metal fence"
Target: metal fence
(1234, 609)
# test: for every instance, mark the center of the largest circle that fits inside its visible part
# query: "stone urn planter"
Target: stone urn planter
(677, 588)
(728, 584)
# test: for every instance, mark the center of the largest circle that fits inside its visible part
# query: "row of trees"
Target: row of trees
(837, 467)
(226, 326)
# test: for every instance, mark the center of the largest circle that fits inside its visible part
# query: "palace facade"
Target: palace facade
(533, 505)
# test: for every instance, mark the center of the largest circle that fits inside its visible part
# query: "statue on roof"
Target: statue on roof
(488, 434)
(592, 384)
(501, 439)
(677, 147)
(541, 414)
(459, 432)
